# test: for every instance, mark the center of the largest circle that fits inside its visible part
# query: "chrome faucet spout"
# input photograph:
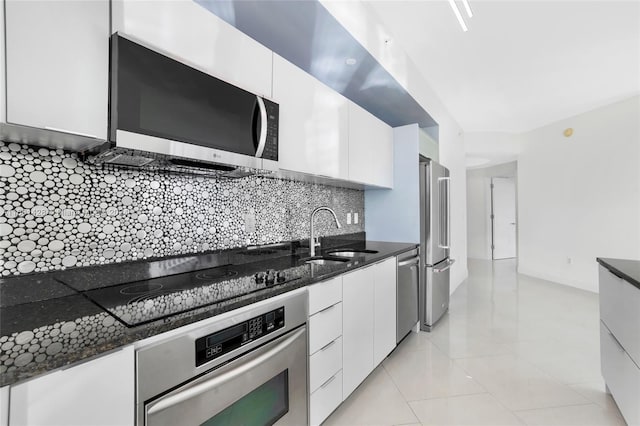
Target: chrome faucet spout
(312, 244)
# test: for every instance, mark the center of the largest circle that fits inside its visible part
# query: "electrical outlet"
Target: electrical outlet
(348, 218)
(249, 223)
(355, 218)
(569, 260)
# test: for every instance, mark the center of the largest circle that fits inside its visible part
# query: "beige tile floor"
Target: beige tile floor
(513, 350)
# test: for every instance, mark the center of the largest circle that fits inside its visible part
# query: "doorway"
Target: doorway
(503, 218)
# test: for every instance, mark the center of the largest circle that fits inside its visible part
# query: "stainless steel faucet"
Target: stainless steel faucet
(312, 239)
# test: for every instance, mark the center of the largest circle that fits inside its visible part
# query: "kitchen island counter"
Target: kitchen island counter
(628, 270)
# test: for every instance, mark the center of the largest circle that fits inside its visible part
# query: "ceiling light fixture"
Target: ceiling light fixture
(467, 8)
(350, 61)
(454, 6)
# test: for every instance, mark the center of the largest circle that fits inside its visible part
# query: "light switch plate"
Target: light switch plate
(348, 218)
(249, 223)
(355, 218)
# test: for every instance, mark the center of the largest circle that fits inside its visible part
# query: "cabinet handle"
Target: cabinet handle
(56, 129)
(325, 347)
(325, 384)
(326, 309)
(617, 341)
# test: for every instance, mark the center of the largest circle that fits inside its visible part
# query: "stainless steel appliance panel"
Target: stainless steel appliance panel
(178, 111)
(170, 382)
(434, 212)
(435, 239)
(437, 292)
(278, 368)
(407, 293)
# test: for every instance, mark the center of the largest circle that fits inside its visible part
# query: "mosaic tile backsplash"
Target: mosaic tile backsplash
(58, 212)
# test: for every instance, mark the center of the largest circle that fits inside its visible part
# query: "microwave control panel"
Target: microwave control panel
(271, 145)
(224, 341)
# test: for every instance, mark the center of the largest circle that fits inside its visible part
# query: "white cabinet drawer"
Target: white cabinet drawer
(326, 399)
(325, 363)
(325, 294)
(324, 327)
(620, 311)
(621, 375)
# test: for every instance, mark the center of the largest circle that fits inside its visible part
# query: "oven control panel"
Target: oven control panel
(224, 341)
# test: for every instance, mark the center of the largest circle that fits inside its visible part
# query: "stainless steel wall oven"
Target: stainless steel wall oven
(247, 368)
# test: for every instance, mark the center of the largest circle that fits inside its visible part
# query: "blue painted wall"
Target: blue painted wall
(394, 214)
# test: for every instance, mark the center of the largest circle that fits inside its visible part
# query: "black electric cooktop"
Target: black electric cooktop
(142, 301)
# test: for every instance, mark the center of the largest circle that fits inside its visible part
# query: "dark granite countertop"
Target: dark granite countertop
(627, 269)
(45, 325)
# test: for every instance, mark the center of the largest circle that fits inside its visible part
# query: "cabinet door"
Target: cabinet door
(384, 323)
(4, 406)
(313, 123)
(98, 392)
(191, 34)
(370, 149)
(357, 328)
(57, 64)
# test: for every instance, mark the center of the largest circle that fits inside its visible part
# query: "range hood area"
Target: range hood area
(75, 106)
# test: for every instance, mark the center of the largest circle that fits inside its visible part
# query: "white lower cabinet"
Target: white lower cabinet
(357, 328)
(98, 392)
(325, 349)
(621, 375)
(384, 322)
(368, 321)
(4, 406)
(325, 399)
(620, 342)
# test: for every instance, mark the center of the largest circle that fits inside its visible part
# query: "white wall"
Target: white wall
(496, 147)
(479, 207)
(579, 197)
(363, 24)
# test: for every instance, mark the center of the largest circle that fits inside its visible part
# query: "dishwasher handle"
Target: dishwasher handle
(444, 268)
(412, 261)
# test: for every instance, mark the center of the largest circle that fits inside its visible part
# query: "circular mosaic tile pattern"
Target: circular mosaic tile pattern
(58, 212)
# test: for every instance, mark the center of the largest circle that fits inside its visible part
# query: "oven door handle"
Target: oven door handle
(197, 389)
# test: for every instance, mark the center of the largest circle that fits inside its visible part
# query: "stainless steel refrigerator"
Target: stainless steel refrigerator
(435, 237)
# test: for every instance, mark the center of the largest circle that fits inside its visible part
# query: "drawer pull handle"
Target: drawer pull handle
(327, 308)
(616, 340)
(325, 384)
(327, 345)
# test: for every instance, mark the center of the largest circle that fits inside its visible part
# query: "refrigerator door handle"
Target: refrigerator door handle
(445, 230)
(444, 268)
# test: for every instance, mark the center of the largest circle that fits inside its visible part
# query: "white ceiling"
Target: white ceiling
(522, 64)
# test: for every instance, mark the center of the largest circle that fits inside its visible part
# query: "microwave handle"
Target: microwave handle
(262, 138)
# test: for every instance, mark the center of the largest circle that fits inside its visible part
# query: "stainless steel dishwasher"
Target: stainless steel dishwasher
(407, 293)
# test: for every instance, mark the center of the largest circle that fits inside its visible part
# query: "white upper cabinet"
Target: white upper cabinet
(313, 123)
(191, 34)
(57, 65)
(370, 149)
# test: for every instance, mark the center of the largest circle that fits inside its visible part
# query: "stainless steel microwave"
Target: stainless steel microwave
(162, 110)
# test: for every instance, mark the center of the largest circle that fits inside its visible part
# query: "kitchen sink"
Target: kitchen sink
(326, 261)
(351, 252)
